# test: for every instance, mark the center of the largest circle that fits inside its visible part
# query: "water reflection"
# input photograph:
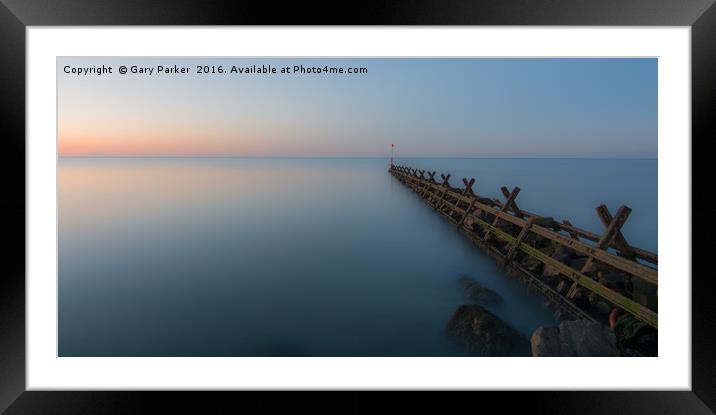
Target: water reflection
(260, 257)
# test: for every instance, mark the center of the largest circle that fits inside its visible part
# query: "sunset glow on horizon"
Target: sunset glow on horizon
(427, 107)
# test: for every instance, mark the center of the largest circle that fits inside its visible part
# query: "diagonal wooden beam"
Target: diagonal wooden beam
(571, 233)
(620, 242)
(633, 268)
(427, 188)
(604, 242)
(440, 201)
(614, 227)
(511, 202)
(445, 180)
(466, 214)
(505, 207)
(514, 247)
(468, 186)
(639, 311)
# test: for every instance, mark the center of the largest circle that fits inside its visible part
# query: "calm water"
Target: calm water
(298, 257)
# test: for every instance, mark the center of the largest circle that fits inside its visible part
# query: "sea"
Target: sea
(221, 256)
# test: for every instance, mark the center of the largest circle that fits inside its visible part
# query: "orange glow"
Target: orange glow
(109, 140)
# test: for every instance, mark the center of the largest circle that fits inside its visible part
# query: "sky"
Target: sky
(433, 107)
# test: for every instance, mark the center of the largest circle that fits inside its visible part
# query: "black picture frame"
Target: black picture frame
(16, 15)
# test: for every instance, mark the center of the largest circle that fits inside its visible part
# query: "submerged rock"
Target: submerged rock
(477, 292)
(574, 338)
(482, 333)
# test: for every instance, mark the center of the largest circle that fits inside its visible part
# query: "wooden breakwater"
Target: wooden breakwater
(584, 275)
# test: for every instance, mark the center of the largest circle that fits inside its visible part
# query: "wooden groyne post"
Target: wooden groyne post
(516, 237)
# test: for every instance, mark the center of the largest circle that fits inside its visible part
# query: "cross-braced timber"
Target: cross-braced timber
(502, 229)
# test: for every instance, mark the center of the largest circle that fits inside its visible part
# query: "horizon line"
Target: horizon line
(572, 157)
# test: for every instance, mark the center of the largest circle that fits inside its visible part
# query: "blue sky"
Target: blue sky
(427, 107)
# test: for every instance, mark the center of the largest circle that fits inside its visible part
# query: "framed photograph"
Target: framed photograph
(391, 197)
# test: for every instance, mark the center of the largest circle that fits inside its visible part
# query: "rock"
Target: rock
(508, 227)
(551, 281)
(483, 334)
(561, 256)
(636, 335)
(579, 296)
(574, 338)
(532, 265)
(563, 253)
(641, 298)
(577, 263)
(612, 279)
(477, 292)
(550, 271)
(620, 283)
(545, 341)
(599, 304)
(550, 275)
(539, 242)
(645, 293)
